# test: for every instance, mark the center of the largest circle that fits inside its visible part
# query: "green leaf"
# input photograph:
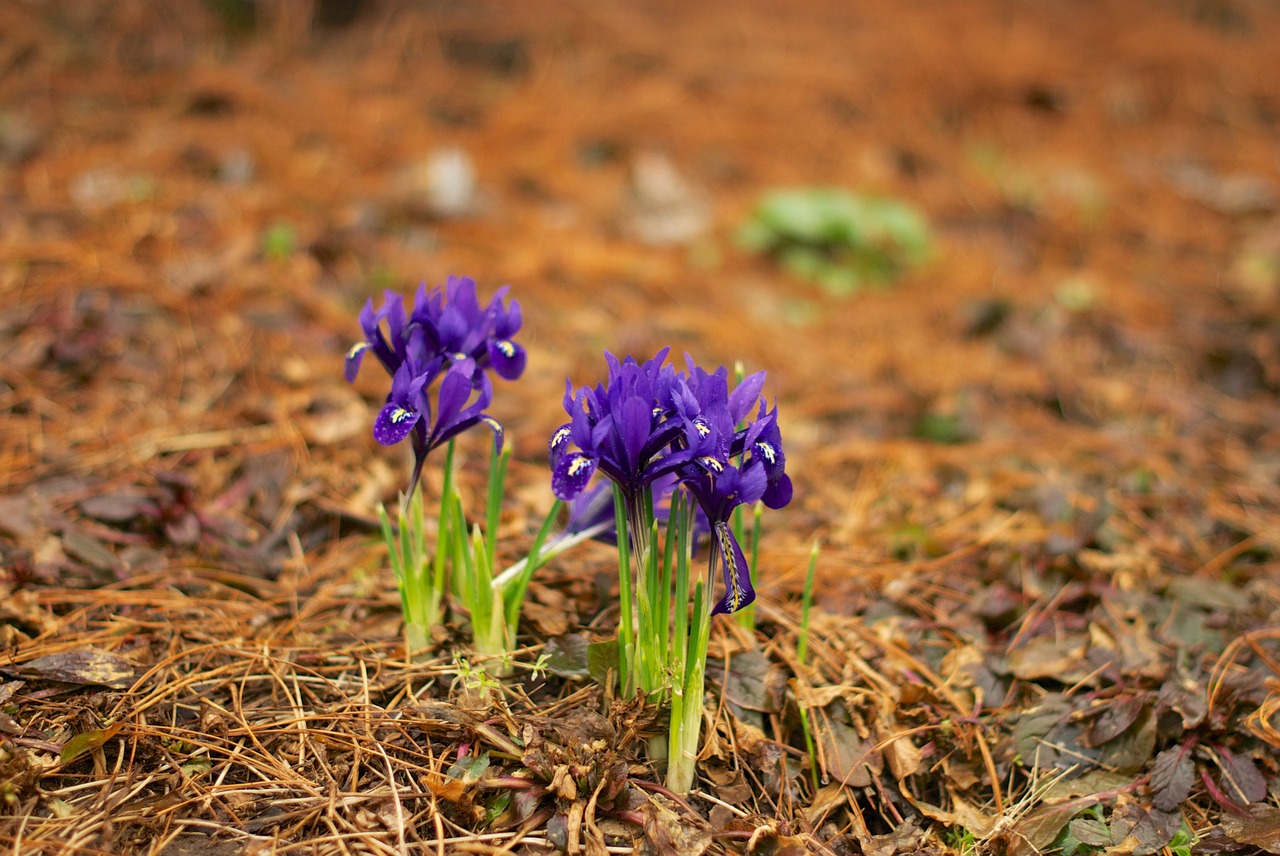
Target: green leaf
(87, 741)
(470, 768)
(1090, 831)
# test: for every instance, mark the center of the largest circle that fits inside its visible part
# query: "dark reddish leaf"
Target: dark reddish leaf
(1131, 750)
(1260, 827)
(1240, 777)
(1186, 701)
(1172, 775)
(1114, 720)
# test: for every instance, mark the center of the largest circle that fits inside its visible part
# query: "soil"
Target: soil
(1043, 469)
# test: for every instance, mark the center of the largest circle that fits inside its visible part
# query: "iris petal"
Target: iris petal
(394, 423)
(507, 358)
(738, 592)
(778, 493)
(571, 474)
(355, 357)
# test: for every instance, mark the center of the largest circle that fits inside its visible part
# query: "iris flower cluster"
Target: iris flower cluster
(439, 353)
(681, 445)
(650, 422)
(447, 337)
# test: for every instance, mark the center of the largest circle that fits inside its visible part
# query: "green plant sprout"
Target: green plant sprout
(844, 242)
(802, 655)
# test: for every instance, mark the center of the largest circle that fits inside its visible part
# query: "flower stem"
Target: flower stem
(686, 701)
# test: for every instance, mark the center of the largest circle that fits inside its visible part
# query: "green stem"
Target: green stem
(686, 701)
(802, 654)
(626, 620)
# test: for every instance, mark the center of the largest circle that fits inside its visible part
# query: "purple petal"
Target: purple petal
(507, 358)
(509, 322)
(745, 395)
(636, 416)
(394, 423)
(496, 427)
(738, 592)
(559, 443)
(355, 357)
(571, 474)
(778, 493)
(451, 398)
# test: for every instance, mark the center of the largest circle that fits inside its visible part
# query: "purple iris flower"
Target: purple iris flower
(619, 428)
(454, 326)
(438, 356)
(717, 496)
(729, 465)
(650, 424)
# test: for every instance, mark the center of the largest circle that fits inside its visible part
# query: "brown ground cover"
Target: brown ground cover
(1044, 470)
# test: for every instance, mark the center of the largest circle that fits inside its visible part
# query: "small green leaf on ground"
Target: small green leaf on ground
(87, 741)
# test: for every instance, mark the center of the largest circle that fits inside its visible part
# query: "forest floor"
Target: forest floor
(1043, 468)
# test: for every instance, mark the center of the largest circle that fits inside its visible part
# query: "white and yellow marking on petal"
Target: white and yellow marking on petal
(711, 463)
(507, 348)
(578, 464)
(731, 563)
(400, 414)
(356, 349)
(770, 453)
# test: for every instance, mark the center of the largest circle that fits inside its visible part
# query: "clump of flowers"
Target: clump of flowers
(439, 354)
(681, 451)
(723, 448)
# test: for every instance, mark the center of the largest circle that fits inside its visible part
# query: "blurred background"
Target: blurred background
(1007, 263)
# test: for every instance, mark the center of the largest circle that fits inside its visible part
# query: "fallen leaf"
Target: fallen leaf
(1259, 827)
(752, 682)
(1240, 777)
(1131, 750)
(87, 741)
(1059, 658)
(80, 666)
(117, 506)
(567, 656)
(1172, 776)
(1114, 719)
(1034, 833)
(1090, 831)
(1095, 782)
(1140, 830)
(846, 757)
(667, 833)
